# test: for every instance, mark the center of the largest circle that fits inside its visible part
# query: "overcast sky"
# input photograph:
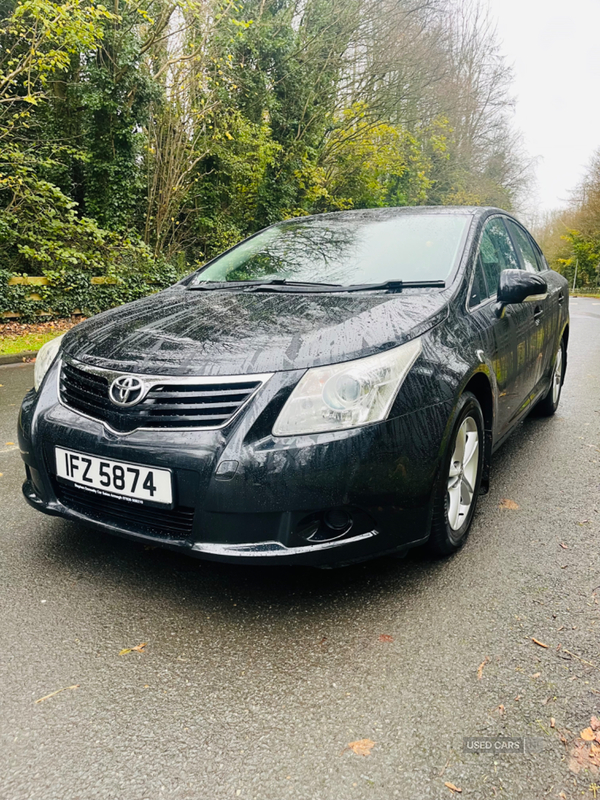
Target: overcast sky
(554, 48)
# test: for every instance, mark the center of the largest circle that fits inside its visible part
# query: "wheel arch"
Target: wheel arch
(479, 384)
(565, 337)
(476, 386)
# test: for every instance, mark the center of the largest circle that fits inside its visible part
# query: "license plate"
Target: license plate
(103, 476)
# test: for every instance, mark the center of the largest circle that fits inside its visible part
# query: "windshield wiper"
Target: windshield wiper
(313, 286)
(208, 286)
(386, 286)
(283, 285)
(395, 286)
(259, 285)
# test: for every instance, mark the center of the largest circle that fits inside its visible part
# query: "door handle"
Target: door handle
(537, 313)
(561, 297)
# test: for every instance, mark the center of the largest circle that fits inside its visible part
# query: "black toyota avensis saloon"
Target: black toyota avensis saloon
(328, 390)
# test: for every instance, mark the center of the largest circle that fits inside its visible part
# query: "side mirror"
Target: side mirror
(516, 285)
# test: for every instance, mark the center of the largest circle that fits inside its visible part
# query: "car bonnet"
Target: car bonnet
(233, 332)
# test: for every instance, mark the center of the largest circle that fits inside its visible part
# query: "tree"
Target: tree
(181, 126)
(571, 237)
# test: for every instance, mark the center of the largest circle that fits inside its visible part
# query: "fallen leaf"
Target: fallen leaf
(518, 697)
(539, 644)
(552, 722)
(500, 709)
(535, 675)
(384, 637)
(481, 666)
(562, 796)
(362, 747)
(587, 735)
(564, 546)
(509, 504)
(137, 649)
(584, 757)
(58, 691)
(595, 724)
(452, 787)
(9, 443)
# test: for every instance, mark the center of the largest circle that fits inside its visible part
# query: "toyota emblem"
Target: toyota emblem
(126, 390)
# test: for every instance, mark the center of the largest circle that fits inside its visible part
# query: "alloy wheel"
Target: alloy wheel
(557, 376)
(463, 473)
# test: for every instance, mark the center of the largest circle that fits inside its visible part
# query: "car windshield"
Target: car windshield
(345, 250)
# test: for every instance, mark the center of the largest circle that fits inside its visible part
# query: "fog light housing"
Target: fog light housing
(338, 520)
(325, 526)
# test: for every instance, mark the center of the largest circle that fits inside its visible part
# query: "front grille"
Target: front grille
(170, 403)
(173, 524)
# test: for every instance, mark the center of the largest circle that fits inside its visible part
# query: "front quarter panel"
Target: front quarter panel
(448, 357)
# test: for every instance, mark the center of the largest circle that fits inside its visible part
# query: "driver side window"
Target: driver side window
(496, 253)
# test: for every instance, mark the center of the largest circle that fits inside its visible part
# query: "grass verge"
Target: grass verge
(16, 337)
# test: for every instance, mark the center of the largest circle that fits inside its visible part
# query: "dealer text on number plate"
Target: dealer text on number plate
(102, 475)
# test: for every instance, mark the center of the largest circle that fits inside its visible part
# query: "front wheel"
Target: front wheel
(548, 405)
(460, 479)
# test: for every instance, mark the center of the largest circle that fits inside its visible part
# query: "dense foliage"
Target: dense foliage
(136, 142)
(571, 237)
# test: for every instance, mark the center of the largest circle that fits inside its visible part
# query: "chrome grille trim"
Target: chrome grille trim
(208, 402)
(273, 549)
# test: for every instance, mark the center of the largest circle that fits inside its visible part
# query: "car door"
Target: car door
(504, 339)
(556, 310)
(547, 309)
(544, 329)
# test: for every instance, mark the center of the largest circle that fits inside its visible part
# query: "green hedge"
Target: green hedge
(72, 291)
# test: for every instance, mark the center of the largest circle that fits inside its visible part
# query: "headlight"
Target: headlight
(346, 395)
(45, 357)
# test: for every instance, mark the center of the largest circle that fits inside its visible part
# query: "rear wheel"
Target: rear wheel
(460, 479)
(548, 405)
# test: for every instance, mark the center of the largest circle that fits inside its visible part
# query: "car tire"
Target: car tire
(459, 480)
(548, 404)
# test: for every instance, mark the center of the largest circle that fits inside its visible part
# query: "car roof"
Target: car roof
(375, 214)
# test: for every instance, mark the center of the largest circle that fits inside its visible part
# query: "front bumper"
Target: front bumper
(244, 495)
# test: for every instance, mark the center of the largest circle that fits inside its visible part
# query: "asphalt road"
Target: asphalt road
(254, 681)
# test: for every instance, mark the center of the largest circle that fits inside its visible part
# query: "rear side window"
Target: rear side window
(525, 246)
(496, 252)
